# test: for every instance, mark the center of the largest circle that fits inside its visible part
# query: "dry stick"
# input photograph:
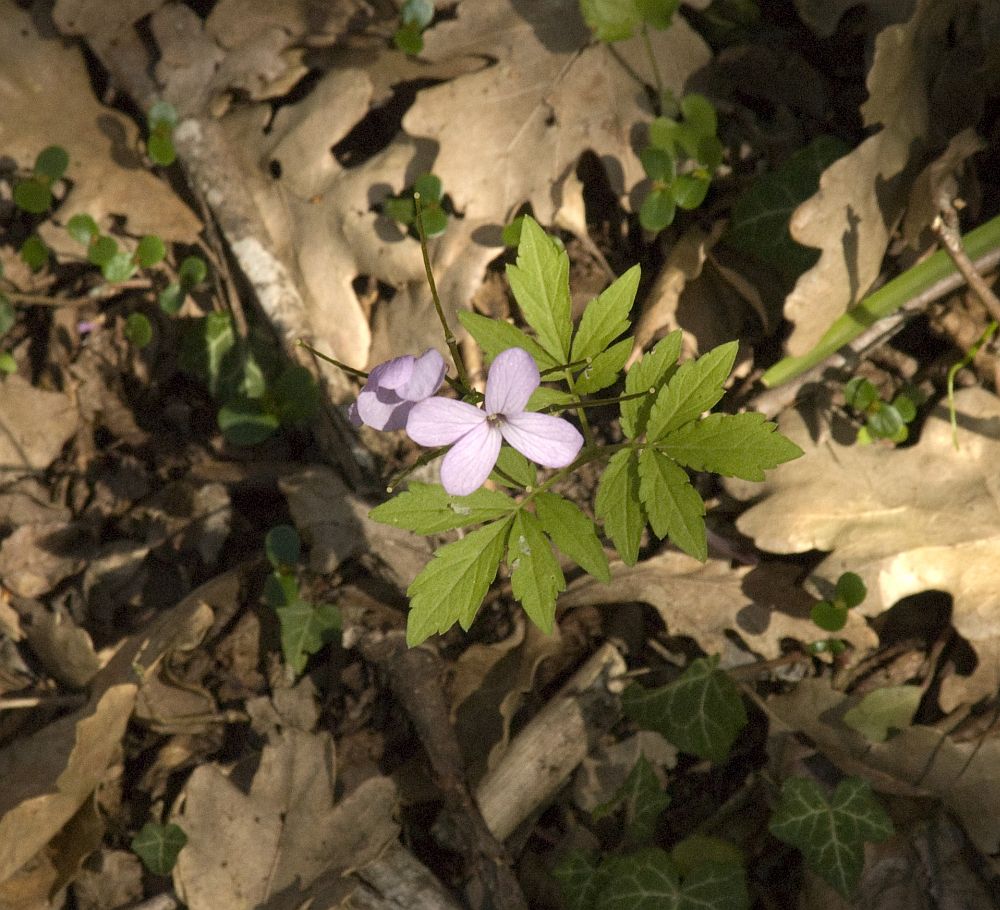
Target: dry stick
(946, 227)
(414, 675)
(101, 292)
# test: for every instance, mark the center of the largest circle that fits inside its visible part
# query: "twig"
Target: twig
(102, 292)
(946, 227)
(42, 701)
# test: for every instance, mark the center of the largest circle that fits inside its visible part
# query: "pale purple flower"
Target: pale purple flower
(475, 434)
(394, 387)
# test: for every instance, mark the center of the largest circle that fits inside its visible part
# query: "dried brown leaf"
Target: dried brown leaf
(34, 424)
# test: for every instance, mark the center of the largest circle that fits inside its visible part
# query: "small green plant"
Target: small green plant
(883, 420)
(831, 615)
(618, 20)
(103, 251)
(680, 160)
(414, 17)
(34, 194)
(433, 218)
(161, 121)
(158, 846)
(191, 273)
(34, 253)
(305, 627)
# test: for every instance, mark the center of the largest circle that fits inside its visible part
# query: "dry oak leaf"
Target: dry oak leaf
(512, 131)
(906, 520)
(34, 424)
(706, 601)
(861, 196)
(46, 99)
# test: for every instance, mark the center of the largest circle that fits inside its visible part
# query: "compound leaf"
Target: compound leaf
(495, 336)
(427, 509)
(604, 369)
(617, 505)
(606, 317)
(695, 387)
(535, 576)
(673, 506)
(649, 372)
(574, 533)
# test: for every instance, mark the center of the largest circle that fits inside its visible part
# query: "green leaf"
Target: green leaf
(119, 267)
(34, 252)
(649, 372)
(410, 40)
(429, 188)
(434, 220)
(606, 317)
(578, 880)
(8, 315)
(906, 407)
(427, 509)
(192, 272)
(206, 347)
(51, 162)
(759, 225)
(400, 208)
(828, 616)
(160, 148)
(657, 210)
(658, 13)
(516, 466)
(246, 421)
(648, 880)
(850, 590)
(658, 163)
(733, 445)
(158, 845)
(573, 533)
(545, 396)
(695, 387)
(831, 835)
(604, 369)
(452, 585)
(886, 422)
(82, 228)
(32, 196)
(138, 329)
(674, 508)
(495, 336)
(617, 505)
(540, 284)
(511, 233)
(162, 114)
(643, 798)
(296, 395)
(698, 849)
(860, 394)
(664, 133)
(883, 710)
(305, 628)
(171, 299)
(282, 547)
(611, 20)
(150, 251)
(417, 12)
(699, 114)
(280, 589)
(102, 250)
(690, 190)
(701, 712)
(8, 364)
(535, 577)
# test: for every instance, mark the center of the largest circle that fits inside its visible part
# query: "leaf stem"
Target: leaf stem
(567, 366)
(449, 336)
(592, 403)
(360, 374)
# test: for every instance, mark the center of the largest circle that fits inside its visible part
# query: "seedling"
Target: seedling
(404, 208)
(831, 615)
(158, 846)
(883, 420)
(34, 194)
(102, 250)
(414, 17)
(161, 120)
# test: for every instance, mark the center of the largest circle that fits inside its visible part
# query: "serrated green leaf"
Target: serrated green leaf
(138, 329)
(305, 628)
(883, 710)
(158, 845)
(701, 712)
(545, 396)
(51, 162)
(540, 284)
(733, 445)
(611, 20)
(649, 372)
(578, 880)
(673, 506)
(604, 369)
(535, 577)
(831, 834)
(511, 233)
(452, 585)
(607, 316)
(495, 336)
(32, 196)
(573, 533)
(617, 505)
(427, 509)
(282, 547)
(648, 880)
(643, 798)
(517, 467)
(82, 228)
(695, 387)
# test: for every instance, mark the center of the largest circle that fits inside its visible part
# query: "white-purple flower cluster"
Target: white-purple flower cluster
(400, 393)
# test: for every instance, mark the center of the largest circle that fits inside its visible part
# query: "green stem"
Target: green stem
(885, 301)
(657, 79)
(449, 337)
(591, 403)
(588, 433)
(567, 366)
(953, 372)
(361, 374)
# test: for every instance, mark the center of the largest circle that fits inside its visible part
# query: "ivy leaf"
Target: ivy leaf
(427, 509)
(578, 880)
(643, 798)
(831, 835)
(701, 712)
(535, 576)
(604, 369)
(733, 445)
(540, 284)
(282, 547)
(452, 585)
(607, 316)
(158, 845)
(695, 387)
(495, 336)
(305, 627)
(648, 880)
(649, 372)
(574, 533)
(674, 508)
(617, 505)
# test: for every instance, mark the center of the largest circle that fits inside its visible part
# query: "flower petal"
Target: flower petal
(377, 408)
(393, 373)
(513, 377)
(428, 374)
(469, 462)
(543, 438)
(442, 421)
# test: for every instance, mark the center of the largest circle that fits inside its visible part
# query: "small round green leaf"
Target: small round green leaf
(829, 617)
(150, 251)
(192, 272)
(119, 267)
(429, 188)
(690, 191)
(52, 162)
(408, 39)
(850, 590)
(32, 196)
(709, 152)
(158, 846)
(886, 422)
(8, 364)
(699, 114)
(8, 315)
(283, 547)
(658, 163)
(102, 250)
(138, 330)
(34, 252)
(663, 133)
(162, 114)
(657, 210)
(399, 208)
(82, 228)
(171, 299)
(906, 407)
(434, 220)
(860, 394)
(417, 12)
(160, 148)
